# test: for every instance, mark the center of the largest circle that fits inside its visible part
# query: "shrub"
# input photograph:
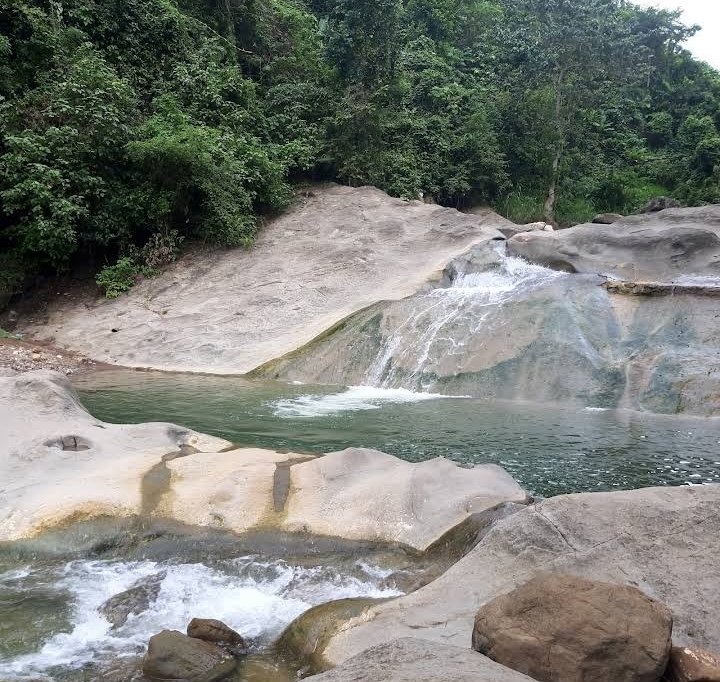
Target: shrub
(121, 277)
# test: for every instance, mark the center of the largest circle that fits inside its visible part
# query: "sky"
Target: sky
(706, 13)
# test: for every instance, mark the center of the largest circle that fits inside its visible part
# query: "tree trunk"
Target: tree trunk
(551, 200)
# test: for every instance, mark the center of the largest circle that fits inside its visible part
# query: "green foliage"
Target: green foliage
(128, 129)
(121, 277)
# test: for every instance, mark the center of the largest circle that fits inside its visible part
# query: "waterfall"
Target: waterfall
(435, 327)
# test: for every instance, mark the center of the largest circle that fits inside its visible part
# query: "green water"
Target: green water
(549, 449)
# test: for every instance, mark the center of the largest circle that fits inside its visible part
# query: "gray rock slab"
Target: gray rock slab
(416, 660)
(664, 541)
(659, 247)
(334, 252)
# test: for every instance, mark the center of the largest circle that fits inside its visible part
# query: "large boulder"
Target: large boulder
(559, 628)
(174, 656)
(693, 665)
(335, 251)
(660, 540)
(657, 247)
(356, 494)
(65, 464)
(412, 660)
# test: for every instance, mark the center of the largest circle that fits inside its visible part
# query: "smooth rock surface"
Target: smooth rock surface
(658, 247)
(58, 463)
(365, 494)
(689, 664)
(558, 338)
(661, 540)
(559, 628)
(333, 253)
(174, 656)
(416, 660)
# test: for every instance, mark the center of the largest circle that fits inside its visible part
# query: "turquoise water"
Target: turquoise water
(549, 449)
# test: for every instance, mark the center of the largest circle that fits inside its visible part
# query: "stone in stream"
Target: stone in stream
(172, 655)
(215, 631)
(662, 540)
(417, 660)
(98, 472)
(133, 601)
(560, 628)
(689, 664)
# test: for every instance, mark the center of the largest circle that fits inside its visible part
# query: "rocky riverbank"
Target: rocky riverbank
(661, 542)
(23, 356)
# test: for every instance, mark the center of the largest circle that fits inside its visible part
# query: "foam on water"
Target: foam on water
(352, 399)
(439, 323)
(257, 598)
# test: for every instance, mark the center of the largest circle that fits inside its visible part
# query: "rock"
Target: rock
(229, 311)
(660, 540)
(413, 660)
(532, 336)
(660, 204)
(133, 601)
(215, 631)
(657, 247)
(174, 656)
(74, 467)
(307, 636)
(607, 218)
(69, 464)
(692, 665)
(559, 628)
(363, 494)
(616, 286)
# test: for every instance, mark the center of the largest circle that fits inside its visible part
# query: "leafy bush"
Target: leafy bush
(121, 277)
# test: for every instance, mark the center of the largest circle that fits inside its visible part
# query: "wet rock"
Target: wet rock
(133, 601)
(607, 218)
(660, 204)
(559, 628)
(415, 660)
(174, 656)
(692, 665)
(215, 631)
(661, 540)
(307, 636)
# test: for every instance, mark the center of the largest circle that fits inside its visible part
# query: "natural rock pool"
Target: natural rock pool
(549, 449)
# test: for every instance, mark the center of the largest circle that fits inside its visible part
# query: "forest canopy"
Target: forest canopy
(130, 126)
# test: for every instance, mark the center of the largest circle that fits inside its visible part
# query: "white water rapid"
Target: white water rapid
(257, 598)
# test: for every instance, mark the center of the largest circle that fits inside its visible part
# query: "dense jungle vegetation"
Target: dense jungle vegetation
(129, 126)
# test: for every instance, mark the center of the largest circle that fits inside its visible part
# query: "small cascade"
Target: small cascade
(435, 327)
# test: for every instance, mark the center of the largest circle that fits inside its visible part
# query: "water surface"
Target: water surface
(550, 449)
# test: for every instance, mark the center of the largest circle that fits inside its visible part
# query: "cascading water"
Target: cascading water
(256, 596)
(438, 325)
